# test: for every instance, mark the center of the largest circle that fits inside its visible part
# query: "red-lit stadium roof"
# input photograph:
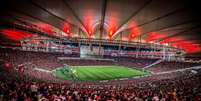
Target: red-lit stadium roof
(175, 22)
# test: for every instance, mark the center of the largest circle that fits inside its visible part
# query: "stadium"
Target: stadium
(100, 50)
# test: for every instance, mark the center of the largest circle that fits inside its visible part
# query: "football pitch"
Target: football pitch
(97, 73)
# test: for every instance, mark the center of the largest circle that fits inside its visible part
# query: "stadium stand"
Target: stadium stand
(100, 50)
(168, 66)
(161, 87)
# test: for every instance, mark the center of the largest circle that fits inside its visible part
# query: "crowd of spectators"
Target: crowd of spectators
(51, 61)
(40, 59)
(34, 85)
(171, 65)
(135, 62)
(180, 88)
(87, 62)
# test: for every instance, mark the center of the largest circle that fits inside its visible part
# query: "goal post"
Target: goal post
(70, 71)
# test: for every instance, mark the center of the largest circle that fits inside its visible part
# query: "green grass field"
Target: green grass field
(96, 73)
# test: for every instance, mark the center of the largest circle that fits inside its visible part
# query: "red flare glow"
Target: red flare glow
(188, 46)
(111, 33)
(192, 48)
(153, 36)
(135, 31)
(89, 29)
(15, 35)
(112, 26)
(89, 20)
(67, 29)
(170, 40)
(46, 28)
